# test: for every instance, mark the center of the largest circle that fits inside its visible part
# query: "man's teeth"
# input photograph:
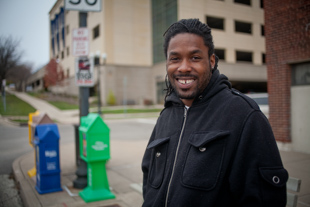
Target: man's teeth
(185, 81)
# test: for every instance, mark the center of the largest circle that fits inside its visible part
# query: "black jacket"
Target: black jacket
(220, 152)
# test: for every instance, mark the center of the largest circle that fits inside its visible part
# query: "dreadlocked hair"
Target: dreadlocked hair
(193, 26)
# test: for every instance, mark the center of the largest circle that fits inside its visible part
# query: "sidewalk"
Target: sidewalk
(72, 116)
(124, 174)
(124, 170)
(125, 177)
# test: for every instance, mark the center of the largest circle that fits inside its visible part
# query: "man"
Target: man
(211, 146)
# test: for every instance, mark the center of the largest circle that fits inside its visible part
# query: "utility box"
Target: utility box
(46, 142)
(95, 151)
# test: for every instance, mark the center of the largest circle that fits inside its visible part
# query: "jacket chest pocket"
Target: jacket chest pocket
(159, 149)
(204, 159)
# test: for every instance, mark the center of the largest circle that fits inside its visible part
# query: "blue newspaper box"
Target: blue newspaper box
(46, 140)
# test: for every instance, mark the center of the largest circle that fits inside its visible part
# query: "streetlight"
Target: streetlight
(98, 65)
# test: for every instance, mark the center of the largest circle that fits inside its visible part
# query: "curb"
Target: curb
(27, 193)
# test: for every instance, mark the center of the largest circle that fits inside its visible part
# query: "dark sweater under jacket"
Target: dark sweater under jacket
(220, 152)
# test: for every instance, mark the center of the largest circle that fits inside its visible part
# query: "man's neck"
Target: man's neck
(187, 102)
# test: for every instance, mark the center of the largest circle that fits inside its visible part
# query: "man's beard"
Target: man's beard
(205, 79)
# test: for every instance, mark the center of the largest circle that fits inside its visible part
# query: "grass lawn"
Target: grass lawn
(15, 106)
(63, 105)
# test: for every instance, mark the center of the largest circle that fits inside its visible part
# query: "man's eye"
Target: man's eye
(196, 58)
(174, 59)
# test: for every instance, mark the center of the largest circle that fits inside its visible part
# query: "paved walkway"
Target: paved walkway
(125, 176)
(124, 172)
(65, 117)
(72, 116)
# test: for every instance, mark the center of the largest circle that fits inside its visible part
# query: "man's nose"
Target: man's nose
(185, 66)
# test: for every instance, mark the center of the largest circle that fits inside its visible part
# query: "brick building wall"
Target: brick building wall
(287, 33)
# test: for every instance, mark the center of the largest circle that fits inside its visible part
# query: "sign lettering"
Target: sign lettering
(80, 42)
(83, 5)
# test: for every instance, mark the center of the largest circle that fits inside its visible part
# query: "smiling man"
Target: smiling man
(211, 145)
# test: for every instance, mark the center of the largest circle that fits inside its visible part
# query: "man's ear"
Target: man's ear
(212, 61)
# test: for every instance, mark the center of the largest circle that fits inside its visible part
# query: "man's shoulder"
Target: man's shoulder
(242, 98)
(234, 101)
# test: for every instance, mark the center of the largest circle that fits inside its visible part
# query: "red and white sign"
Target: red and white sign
(80, 42)
(84, 71)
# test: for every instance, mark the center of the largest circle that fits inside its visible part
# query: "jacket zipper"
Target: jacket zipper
(176, 155)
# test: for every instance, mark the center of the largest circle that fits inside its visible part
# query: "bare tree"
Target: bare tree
(9, 56)
(19, 75)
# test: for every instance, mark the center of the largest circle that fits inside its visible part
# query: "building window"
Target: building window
(96, 32)
(220, 53)
(262, 4)
(262, 29)
(244, 56)
(264, 58)
(215, 23)
(67, 29)
(301, 74)
(245, 2)
(68, 73)
(243, 27)
(164, 13)
(62, 54)
(68, 51)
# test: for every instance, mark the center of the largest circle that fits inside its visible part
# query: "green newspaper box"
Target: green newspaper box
(94, 137)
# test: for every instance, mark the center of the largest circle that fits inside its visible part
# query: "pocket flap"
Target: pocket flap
(276, 176)
(200, 139)
(158, 142)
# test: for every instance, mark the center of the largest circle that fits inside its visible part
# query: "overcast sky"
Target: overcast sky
(28, 21)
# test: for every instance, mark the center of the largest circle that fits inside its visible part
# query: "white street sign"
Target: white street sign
(83, 5)
(80, 42)
(84, 71)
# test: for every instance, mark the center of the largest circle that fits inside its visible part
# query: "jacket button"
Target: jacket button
(202, 149)
(276, 179)
(158, 154)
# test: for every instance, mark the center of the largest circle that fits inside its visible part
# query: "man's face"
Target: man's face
(188, 66)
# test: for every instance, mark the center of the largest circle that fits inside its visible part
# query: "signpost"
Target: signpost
(3, 94)
(84, 73)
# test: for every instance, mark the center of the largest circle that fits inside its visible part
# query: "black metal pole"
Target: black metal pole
(81, 180)
(99, 99)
